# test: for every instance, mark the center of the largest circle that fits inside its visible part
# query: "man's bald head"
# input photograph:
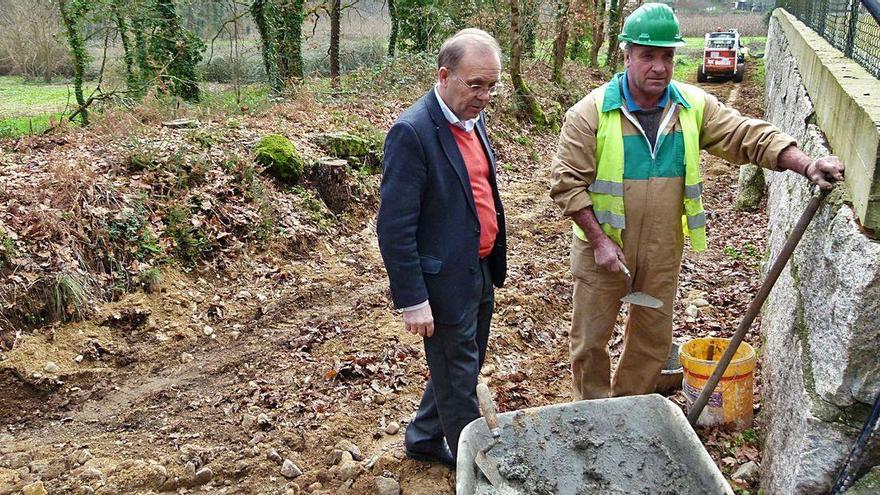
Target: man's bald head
(464, 41)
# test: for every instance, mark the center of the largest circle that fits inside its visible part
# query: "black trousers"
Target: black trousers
(455, 355)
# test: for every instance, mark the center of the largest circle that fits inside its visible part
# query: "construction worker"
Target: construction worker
(627, 172)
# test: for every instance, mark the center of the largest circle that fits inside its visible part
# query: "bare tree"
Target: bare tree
(614, 22)
(29, 41)
(335, 14)
(395, 25)
(525, 101)
(561, 41)
(597, 23)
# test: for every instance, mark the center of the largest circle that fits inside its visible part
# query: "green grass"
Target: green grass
(28, 107)
(22, 99)
(21, 126)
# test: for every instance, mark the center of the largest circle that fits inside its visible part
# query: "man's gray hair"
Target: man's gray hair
(625, 45)
(454, 48)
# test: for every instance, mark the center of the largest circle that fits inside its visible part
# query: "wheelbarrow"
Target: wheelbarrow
(627, 445)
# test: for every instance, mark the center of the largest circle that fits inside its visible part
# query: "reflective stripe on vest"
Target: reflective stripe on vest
(606, 192)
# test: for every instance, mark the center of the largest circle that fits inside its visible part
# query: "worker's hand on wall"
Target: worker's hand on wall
(825, 171)
(419, 321)
(606, 253)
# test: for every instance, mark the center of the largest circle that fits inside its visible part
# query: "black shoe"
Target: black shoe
(439, 455)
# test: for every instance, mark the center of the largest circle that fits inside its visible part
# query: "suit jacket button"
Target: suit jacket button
(473, 270)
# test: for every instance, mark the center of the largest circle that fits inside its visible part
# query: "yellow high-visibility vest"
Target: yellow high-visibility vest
(606, 192)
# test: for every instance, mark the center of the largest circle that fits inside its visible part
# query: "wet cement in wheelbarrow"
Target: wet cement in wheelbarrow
(606, 455)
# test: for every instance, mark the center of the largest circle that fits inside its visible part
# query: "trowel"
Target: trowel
(637, 298)
(488, 465)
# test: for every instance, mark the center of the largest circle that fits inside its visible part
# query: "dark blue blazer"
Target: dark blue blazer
(429, 233)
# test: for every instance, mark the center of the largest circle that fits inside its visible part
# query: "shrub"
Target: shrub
(142, 159)
(221, 70)
(189, 242)
(150, 280)
(7, 248)
(279, 156)
(69, 298)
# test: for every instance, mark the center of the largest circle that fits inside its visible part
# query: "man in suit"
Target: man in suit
(442, 237)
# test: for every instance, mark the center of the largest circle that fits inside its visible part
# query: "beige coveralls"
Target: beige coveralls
(652, 241)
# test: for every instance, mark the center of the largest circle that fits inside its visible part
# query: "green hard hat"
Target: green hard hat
(652, 24)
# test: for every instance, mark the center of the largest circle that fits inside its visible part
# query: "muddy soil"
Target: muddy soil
(288, 375)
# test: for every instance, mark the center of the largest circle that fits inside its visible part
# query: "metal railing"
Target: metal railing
(849, 25)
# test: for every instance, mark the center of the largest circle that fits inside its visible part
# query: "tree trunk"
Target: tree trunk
(177, 50)
(263, 12)
(335, 14)
(523, 97)
(72, 12)
(294, 28)
(145, 70)
(613, 31)
(530, 9)
(395, 24)
(561, 41)
(131, 83)
(597, 22)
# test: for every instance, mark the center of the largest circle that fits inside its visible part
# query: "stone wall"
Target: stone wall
(821, 324)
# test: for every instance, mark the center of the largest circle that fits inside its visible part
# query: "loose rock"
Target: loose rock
(208, 331)
(387, 486)
(274, 456)
(186, 357)
(347, 445)
(392, 428)
(692, 311)
(263, 420)
(84, 456)
(15, 460)
(204, 476)
(91, 474)
(51, 367)
(290, 470)
(747, 471)
(349, 470)
(335, 457)
(34, 489)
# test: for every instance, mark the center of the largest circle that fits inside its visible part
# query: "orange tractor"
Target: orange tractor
(723, 56)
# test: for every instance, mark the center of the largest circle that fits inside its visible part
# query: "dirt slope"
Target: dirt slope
(210, 383)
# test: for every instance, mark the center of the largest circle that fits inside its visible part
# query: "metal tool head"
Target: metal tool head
(637, 298)
(642, 299)
(489, 467)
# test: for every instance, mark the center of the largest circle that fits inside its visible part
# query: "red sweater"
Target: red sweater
(478, 170)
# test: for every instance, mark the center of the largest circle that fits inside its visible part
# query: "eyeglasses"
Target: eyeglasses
(491, 90)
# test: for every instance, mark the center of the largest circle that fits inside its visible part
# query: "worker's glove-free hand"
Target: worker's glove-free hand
(607, 253)
(825, 171)
(419, 321)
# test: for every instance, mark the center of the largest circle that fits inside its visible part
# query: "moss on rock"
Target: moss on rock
(867, 484)
(279, 156)
(751, 188)
(344, 145)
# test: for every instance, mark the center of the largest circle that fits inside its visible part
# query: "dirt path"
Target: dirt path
(302, 361)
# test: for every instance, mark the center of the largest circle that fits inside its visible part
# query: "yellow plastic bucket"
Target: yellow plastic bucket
(731, 402)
